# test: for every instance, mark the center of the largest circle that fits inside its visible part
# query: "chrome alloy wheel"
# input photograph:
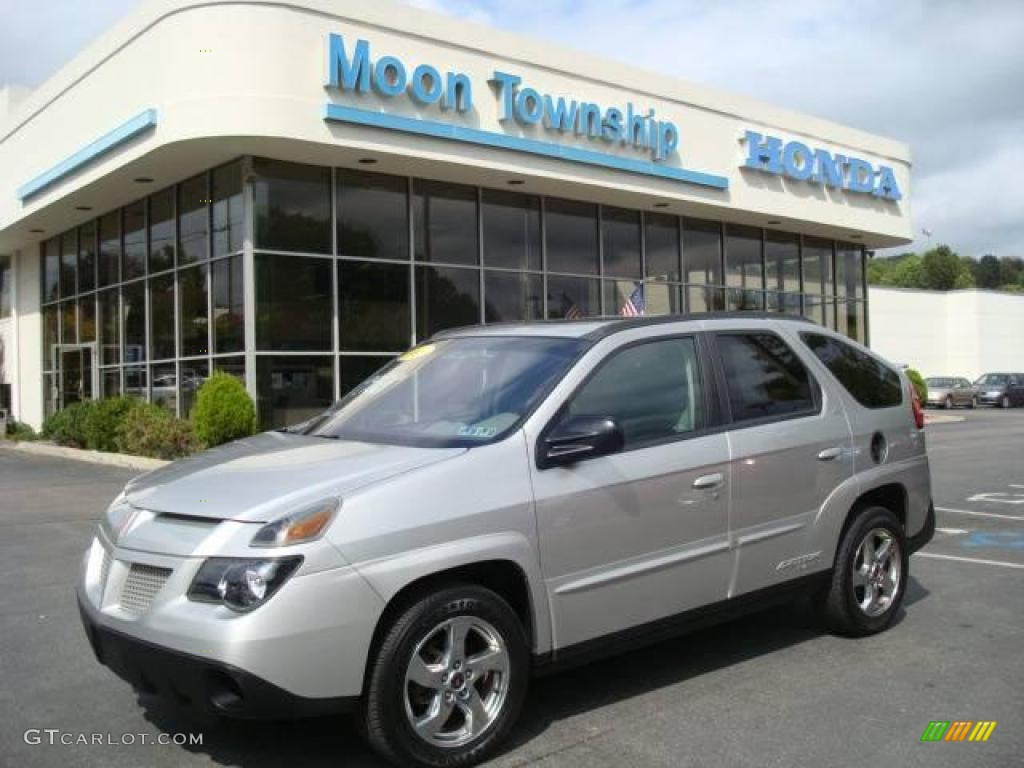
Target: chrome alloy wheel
(456, 682)
(877, 570)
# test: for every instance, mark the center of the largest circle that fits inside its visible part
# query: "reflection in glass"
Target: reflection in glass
(51, 336)
(782, 261)
(373, 306)
(373, 213)
(192, 310)
(110, 327)
(446, 297)
(193, 226)
(444, 222)
(849, 275)
(133, 297)
(135, 381)
(571, 234)
(704, 298)
(661, 244)
(193, 374)
(702, 253)
(293, 302)
(164, 391)
(228, 306)
(292, 206)
(572, 298)
(354, 369)
(161, 230)
(161, 315)
(110, 248)
(620, 235)
(69, 263)
(234, 365)
(513, 297)
(818, 266)
(227, 209)
(51, 269)
(68, 322)
(110, 381)
(743, 257)
(87, 256)
(739, 300)
(134, 217)
(292, 388)
(511, 224)
(662, 298)
(87, 319)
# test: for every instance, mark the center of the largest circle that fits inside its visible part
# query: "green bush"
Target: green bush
(17, 430)
(149, 430)
(223, 411)
(67, 426)
(919, 386)
(104, 422)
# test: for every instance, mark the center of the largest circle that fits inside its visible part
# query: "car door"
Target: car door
(642, 534)
(1015, 389)
(790, 448)
(964, 393)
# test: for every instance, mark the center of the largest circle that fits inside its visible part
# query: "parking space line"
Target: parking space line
(1018, 518)
(978, 560)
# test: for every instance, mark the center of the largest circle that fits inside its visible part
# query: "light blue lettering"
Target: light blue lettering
(559, 116)
(506, 87)
(351, 75)
(426, 85)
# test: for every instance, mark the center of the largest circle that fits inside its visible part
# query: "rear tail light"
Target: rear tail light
(915, 406)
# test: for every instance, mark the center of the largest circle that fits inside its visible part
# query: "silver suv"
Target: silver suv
(505, 499)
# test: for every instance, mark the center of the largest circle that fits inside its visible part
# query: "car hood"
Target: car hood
(261, 477)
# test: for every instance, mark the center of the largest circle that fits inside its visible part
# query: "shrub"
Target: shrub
(149, 430)
(17, 430)
(104, 423)
(223, 411)
(919, 386)
(67, 426)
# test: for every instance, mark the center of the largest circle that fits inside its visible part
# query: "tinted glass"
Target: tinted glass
(702, 252)
(68, 322)
(192, 310)
(453, 392)
(293, 388)
(193, 374)
(444, 222)
(87, 256)
(135, 378)
(571, 233)
(511, 297)
(233, 365)
(110, 381)
(228, 306)
(6, 274)
(110, 248)
(165, 386)
(161, 230)
(51, 269)
(739, 300)
(814, 309)
(662, 299)
(69, 263)
(782, 261)
(446, 298)
(161, 317)
(293, 302)
(743, 257)
(511, 224)
(110, 327)
(87, 319)
(652, 391)
(134, 218)
(818, 266)
(871, 382)
(626, 298)
(701, 298)
(227, 210)
(133, 297)
(620, 240)
(373, 215)
(661, 243)
(373, 306)
(51, 336)
(292, 206)
(354, 369)
(193, 220)
(765, 379)
(849, 277)
(571, 298)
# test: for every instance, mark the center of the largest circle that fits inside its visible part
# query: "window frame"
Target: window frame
(711, 417)
(722, 385)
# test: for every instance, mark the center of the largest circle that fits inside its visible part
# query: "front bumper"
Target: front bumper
(198, 683)
(985, 398)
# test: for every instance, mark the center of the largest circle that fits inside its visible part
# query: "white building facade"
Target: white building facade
(296, 191)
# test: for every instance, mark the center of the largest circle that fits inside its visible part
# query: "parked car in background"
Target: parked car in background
(1005, 390)
(949, 391)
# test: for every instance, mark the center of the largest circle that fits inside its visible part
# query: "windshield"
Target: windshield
(992, 378)
(940, 382)
(454, 392)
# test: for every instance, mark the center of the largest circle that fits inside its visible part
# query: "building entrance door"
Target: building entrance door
(77, 373)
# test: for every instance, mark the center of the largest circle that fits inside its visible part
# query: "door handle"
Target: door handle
(831, 454)
(707, 482)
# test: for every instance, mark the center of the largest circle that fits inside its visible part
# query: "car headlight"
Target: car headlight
(117, 518)
(294, 528)
(241, 584)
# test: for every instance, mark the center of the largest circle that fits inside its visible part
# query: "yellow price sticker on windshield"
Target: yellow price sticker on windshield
(415, 352)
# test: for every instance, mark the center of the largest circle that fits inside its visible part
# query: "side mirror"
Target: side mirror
(578, 438)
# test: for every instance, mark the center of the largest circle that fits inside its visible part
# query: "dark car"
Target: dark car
(1005, 390)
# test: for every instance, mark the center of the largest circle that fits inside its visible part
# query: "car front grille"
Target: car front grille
(141, 586)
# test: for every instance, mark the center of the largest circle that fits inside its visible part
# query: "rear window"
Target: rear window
(872, 383)
(764, 378)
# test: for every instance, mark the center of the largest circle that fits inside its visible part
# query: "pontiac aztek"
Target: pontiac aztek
(503, 500)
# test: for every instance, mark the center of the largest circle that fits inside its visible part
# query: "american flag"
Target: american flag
(634, 305)
(570, 310)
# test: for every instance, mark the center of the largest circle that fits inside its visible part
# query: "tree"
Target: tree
(1011, 270)
(986, 272)
(942, 270)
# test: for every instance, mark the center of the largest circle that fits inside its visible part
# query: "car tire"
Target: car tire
(1004, 402)
(948, 403)
(861, 598)
(422, 632)
(973, 404)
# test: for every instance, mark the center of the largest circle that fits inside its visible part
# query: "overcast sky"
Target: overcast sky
(945, 77)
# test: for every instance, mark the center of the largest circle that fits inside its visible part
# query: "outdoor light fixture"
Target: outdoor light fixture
(661, 205)
(515, 182)
(37, 231)
(774, 223)
(83, 207)
(367, 160)
(143, 180)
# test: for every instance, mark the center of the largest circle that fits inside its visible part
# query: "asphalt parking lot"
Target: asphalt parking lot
(769, 690)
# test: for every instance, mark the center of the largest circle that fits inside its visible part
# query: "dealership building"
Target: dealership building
(295, 192)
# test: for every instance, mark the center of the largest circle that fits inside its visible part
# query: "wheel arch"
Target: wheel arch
(892, 496)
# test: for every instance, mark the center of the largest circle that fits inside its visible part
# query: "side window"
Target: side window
(652, 390)
(871, 382)
(764, 378)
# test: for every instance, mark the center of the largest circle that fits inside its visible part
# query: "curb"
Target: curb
(92, 457)
(942, 419)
